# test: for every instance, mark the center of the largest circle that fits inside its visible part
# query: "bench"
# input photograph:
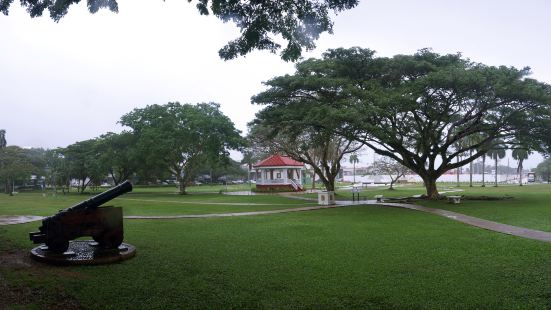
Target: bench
(454, 199)
(379, 198)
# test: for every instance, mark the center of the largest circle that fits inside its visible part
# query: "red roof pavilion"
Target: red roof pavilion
(278, 161)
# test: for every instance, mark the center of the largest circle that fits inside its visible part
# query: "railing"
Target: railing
(295, 185)
(270, 182)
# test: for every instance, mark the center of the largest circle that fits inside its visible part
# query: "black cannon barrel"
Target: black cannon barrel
(104, 197)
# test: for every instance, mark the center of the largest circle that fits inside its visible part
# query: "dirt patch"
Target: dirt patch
(17, 263)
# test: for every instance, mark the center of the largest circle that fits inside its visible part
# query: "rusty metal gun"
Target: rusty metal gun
(104, 224)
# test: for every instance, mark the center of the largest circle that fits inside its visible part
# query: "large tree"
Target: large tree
(262, 23)
(84, 164)
(543, 170)
(16, 167)
(57, 169)
(181, 137)
(119, 155)
(285, 130)
(416, 108)
(392, 168)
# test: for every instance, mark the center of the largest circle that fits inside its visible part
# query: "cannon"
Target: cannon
(103, 224)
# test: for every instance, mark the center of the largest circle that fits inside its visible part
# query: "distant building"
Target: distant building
(279, 173)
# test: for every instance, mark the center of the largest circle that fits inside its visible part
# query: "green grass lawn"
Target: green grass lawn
(146, 201)
(370, 192)
(353, 257)
(531, 206)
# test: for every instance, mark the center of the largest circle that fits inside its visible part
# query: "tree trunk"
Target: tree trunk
(432, 191)
(313, 180)
(457, 172)
(182, 188)
(483, 170)
(496, 174)
(329, 184)
(520, 172)
(181, 184)
(471, 170)
(354, 172)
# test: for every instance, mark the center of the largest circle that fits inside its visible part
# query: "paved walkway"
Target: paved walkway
(18, 219)
(204, 203)
(232, 214)
(474, 221)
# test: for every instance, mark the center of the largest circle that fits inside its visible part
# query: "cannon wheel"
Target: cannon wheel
(58, 245)
(109, 239)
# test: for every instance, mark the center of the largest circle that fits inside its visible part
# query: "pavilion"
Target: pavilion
(279, 173)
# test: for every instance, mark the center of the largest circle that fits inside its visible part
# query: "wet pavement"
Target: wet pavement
(18, 219)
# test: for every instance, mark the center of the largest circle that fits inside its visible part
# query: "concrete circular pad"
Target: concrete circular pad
(84, 252)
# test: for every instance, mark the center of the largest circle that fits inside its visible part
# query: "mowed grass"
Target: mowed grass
(353, 257)
(146, 201)
(530, 206)
(368, 193)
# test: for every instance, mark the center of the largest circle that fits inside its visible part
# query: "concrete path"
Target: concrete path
(232, 214)
(477, 222)
(205, 203)
(18, 219)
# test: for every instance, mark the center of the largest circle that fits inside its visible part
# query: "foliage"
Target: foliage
(543, 170)
(496, 153)
(3, 142)
(520, 154)
(57, 169)
(16, 166)
(84, 163)
(390, 167)
(221, 170)
(415, 108)
(321, 150)
(180, 137)
(298, 22)
(119, 155)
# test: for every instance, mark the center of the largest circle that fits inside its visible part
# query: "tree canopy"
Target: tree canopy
(180, 137)
(416, 108)
(298, 22)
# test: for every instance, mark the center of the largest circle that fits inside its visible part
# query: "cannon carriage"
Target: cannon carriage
(104, 225)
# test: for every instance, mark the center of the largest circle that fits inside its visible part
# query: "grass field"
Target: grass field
(353, 257)
(152, 201)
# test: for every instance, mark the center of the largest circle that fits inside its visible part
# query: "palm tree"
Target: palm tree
(354, 160)
(520, 154)
(2, 146)
(472, 140)
(497, 153)
(459, 145)
(2, 138)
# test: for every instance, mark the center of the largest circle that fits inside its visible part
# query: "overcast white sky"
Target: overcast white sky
(73, 80)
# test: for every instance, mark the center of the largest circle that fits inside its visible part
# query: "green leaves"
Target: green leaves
(422, 110)
(181, 137)
(298, 22)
